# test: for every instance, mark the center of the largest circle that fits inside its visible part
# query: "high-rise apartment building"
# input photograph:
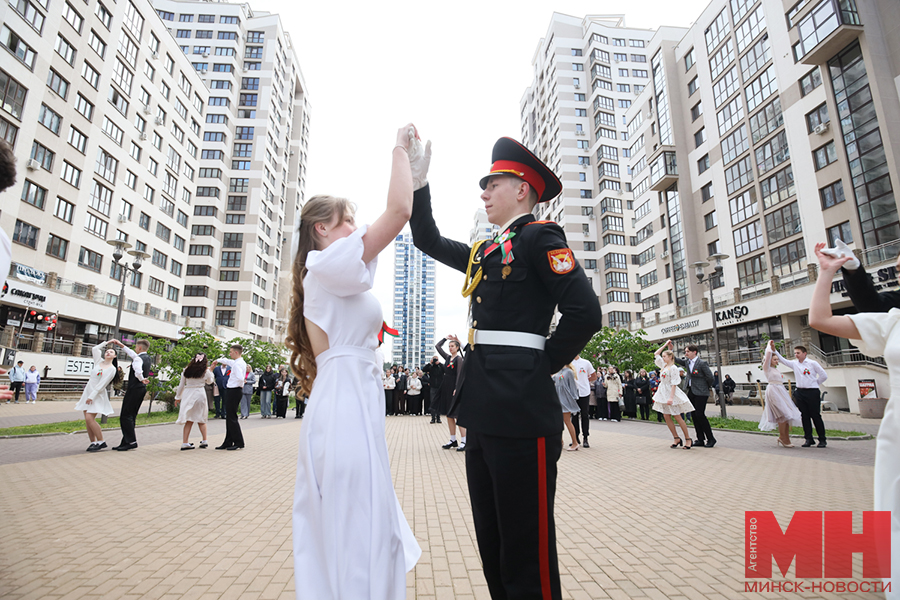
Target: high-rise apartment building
(414, 303)
(120, 137)
(482, 229)
(252, 168)
(105, 117)
(764, 129)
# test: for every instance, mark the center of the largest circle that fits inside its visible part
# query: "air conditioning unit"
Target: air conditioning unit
(158, 120)
(143, 137)
(596, 269)
(203, 71)
(577, 86)
(147, 109)
(577, 132)
(154, 54)
(821, 128)
(123, 219)
(32, 165)
(193, 237)
(592, 216)
(664, 254)
(206, 55)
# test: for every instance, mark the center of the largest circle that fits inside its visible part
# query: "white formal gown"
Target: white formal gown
(779, 406)
(351, 539)
(663, 400)
(95, 389)
(880, 336)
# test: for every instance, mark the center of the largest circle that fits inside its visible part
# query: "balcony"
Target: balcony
(826, 30)
(663, 170)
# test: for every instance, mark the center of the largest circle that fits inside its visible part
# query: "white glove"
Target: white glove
(840, 251)
(419, 161)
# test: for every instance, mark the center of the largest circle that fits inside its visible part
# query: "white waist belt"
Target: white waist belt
(508, 338)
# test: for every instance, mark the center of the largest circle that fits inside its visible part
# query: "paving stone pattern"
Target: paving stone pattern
(635, 519)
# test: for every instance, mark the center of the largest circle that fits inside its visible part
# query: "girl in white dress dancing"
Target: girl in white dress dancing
(567, 391)
(780, 411)
(191, 394)
(669, 400)
(874, 334)
(95, 398)
(351, 540)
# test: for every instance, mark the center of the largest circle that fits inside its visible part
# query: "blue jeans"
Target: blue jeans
(265, 403)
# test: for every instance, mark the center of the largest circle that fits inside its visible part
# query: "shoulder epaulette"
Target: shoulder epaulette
(542, 223)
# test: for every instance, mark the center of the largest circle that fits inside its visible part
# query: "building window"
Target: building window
(25, 234)
(231, 259)
(197, 290)
(90, 259)
(95, 225)
(738, 175)
(821, 21)
(709, 219)
(225, 318)
(810, 81)
(64, 210)
(783, 223)
(832, 194)
(730, 114)
(706, 192)
(735, 144)
(752, 271)
(777, 188)
(761, 88)
(34, 194)
(772, 153)
(48, 118)
(703, 164)
(766, 120)
(840, 232)
(70, 174)
(817, 117)
(156, 287)
(747, 239)
(789, 258)
(648, 279)
(618, 297)
(721, 59)
(744, 206)
(614, 279)
(57, 247)
(689, 60)
(227, 298)
(824, 155)
(619, 318)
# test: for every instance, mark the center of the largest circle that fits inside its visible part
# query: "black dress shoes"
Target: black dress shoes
(223, 447)
(585, 444)
(235, 448)
(710, 443)
(821, 445)
(449, 445)
(123, 447)
(699, 444)
(806, 444)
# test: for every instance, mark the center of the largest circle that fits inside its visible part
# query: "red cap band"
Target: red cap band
(508, 167)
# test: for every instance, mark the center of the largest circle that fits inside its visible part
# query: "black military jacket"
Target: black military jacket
(507, 390)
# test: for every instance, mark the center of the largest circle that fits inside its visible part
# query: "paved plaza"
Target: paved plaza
(635, 519)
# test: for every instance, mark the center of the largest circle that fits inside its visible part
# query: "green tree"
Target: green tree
(170, 359)
(621, 348)
(257, 353)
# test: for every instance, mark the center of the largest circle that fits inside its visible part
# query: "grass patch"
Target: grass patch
(112, 423)
(745, 425)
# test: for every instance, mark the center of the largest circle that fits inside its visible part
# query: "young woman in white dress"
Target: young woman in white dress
(351, 539)
(567, 391)
(95, 398)
(874, 334)
(780, 411)
(191, 395)
(669, 400)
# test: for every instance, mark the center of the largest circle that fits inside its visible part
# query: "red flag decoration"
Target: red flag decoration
(385, 328)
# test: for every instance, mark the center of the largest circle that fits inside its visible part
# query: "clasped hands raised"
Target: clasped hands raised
(419, 156)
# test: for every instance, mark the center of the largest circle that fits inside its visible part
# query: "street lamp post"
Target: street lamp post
(120, 247)
(709, 280)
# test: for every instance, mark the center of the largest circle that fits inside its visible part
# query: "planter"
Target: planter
(872, 408)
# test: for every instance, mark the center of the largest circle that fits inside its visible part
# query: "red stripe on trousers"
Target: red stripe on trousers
(543, 520)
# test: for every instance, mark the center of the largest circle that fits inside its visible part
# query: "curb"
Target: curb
(54, 433)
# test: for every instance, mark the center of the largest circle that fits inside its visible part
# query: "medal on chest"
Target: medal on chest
(504, 242)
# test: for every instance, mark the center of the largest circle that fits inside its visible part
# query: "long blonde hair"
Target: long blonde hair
(571, 368)
(318, 209)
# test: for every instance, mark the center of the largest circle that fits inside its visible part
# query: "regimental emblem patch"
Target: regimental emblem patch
(561, 260)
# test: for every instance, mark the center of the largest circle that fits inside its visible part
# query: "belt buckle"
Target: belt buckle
(471, 337)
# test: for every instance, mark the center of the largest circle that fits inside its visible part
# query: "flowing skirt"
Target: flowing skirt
(193, 407)
(680, 403)
(351, 539)
(779, 409)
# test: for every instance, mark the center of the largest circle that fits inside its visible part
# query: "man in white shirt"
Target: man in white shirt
(234, 439)
(808, 374)
(584, 375)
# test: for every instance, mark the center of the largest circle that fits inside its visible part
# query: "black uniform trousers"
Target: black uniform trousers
(16, 386)
(701, 423)
(584, 403)
(131, 406)
(809, 402)
(514, 525)
(233, 435)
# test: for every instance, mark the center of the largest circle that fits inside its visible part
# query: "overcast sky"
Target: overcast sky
(457, 70)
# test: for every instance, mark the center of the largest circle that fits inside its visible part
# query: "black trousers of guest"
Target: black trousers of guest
(399, 402)
(220, 404)
(644, 409)
(701, 423)
(585, 424)
(388, 402)
(512, 487)
(233, 435)
(414, 404)
(299, 407)
(615, 414)
(426, 401)
(16, 386)
(131, 406)
(602, 408)
(281, 403)
(434, 409)
(809, 401)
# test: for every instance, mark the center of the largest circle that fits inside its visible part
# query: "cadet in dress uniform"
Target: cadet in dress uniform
(505, 394)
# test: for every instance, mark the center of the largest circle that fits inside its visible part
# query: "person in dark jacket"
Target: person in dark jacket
(728, 386)
(859, 284)
(642, 394)
(629, 395)
(266, 388)
(221, 374)
(435, 379)
(400, 393)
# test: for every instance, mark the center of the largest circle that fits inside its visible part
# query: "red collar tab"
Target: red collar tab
(521, 171)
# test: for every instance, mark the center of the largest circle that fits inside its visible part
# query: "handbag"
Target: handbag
(641, 400)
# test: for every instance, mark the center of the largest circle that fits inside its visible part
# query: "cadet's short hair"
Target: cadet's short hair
(238, 347)
(801, 349)
(142, 342)
(692, 348)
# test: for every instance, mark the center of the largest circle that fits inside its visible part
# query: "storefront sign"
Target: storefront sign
(732, 315)
(78, 367)
(867, 388)
(25, 295)
(680, 327)
(29, 274)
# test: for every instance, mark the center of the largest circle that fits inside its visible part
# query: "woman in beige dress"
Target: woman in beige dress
(191, 394)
